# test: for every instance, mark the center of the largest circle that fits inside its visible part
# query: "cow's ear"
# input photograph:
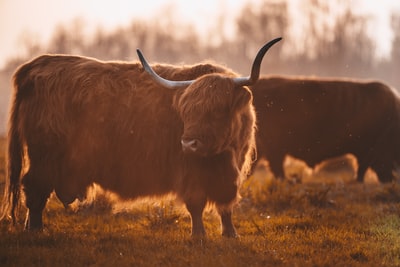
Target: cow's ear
(242, 97)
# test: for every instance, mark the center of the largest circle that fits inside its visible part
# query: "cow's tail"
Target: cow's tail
(14, 163)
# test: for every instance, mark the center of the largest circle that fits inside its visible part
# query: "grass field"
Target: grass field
(280, 224)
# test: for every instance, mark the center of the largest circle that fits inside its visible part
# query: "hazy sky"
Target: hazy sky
(36, 20)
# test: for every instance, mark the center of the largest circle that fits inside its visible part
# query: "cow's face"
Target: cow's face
(210, 109)
(211, 106)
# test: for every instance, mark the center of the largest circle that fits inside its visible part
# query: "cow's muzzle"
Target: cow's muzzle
(192, 146)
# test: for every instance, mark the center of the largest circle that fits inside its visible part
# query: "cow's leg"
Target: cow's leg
(36, 195)
(384, 172)
(361, 173)
(228, 229)
(196, 209)
(276, 166)
(362, 168)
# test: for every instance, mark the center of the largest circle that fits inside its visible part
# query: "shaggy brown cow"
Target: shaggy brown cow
(81, 121)
(317, 119)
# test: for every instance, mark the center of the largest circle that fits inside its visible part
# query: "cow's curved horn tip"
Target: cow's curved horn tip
(141, 58)
(277, 39)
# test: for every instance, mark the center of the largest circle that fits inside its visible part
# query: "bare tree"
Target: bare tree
(395, 53)
(68, 39)
(337, 43)
(257, 24)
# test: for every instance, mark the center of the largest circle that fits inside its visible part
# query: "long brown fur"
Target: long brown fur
(84, 121)
(315, 119)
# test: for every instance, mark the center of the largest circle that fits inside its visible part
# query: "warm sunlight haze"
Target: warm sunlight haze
(271, 138)
(35, 21)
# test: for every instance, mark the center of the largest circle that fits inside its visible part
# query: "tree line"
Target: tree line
(338, 46)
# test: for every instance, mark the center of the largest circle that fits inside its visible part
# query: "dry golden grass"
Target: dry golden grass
(280, 224)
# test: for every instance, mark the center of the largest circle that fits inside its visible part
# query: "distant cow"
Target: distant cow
(317, 119)
(81, 121)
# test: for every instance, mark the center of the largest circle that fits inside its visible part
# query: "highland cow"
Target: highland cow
(317, 119)
(81, 121)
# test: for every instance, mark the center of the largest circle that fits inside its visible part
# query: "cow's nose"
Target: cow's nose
(190, 145)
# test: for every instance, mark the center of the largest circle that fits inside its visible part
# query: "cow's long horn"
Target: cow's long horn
(158, 79)
(255, 70)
